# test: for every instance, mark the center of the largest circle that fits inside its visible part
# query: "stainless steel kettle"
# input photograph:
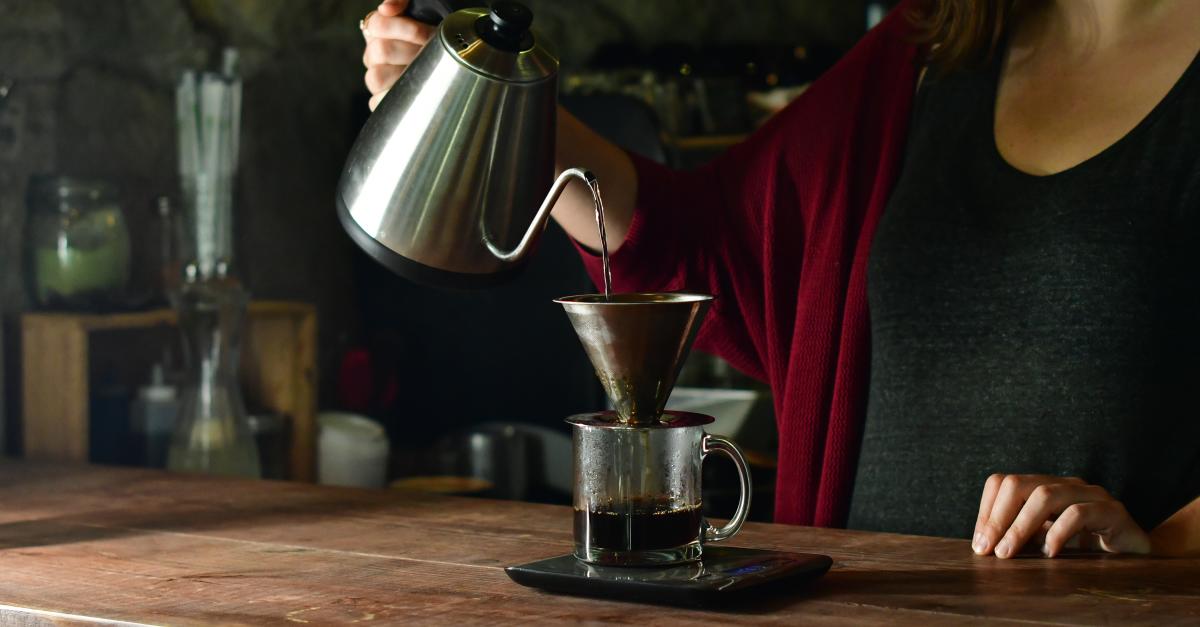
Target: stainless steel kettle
(445, 182)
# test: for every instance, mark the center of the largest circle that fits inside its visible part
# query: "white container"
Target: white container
(729, 408)
(152, 419)
(352, 450)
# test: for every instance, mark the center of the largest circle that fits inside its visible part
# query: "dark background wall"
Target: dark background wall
(93, 96)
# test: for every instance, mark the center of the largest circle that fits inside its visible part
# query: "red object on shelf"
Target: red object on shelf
(360, 388)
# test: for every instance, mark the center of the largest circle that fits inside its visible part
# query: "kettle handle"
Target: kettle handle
(434, 11)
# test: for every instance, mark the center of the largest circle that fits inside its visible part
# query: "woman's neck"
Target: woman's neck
(1090, 24)
(1078, 31)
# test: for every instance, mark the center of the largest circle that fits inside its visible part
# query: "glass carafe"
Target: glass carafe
(212, 434)
(637, 489)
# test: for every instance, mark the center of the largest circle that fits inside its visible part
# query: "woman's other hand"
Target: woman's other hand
(1016, 510)
(392, 42)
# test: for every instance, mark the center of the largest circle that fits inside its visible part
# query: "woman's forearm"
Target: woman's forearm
(580, 146)
(1178, 535)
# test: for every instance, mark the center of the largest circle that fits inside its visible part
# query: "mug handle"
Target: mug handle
(718, 444)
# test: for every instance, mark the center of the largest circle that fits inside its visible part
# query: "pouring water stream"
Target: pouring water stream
(594, 187)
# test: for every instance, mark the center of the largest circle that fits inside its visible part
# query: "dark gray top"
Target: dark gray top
(1025, 324)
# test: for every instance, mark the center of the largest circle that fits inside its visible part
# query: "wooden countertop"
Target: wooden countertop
(82, 543)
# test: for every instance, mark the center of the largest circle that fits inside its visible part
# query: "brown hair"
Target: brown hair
(962, 33)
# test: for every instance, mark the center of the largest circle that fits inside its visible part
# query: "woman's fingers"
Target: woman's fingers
(392, 8)
(393, 41)
(1045, 502)
(374, 102)
(380, 78)
(1010, 497)
(1052, 512)
(990, 488)
(389, 52)
(1108, 520)
(380, 26)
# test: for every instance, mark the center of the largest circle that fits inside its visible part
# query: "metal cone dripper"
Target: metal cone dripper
(637, 344)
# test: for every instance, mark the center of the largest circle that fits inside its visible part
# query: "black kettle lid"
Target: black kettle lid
(499, 42)
(507, 26)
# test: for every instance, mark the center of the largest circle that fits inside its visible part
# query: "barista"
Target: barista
(1016, 200)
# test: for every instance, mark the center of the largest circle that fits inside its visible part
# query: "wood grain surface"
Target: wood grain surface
(86, 543)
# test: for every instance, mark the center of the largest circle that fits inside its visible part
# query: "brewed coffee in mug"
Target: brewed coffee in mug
(637, 494)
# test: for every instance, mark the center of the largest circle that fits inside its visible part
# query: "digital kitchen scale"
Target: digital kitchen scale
(724, 575)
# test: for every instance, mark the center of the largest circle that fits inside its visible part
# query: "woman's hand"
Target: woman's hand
(392, 42)
(1017, 509)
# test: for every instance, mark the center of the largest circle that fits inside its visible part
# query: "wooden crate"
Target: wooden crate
(278, 372)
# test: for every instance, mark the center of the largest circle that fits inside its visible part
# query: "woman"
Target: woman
(1023, 221)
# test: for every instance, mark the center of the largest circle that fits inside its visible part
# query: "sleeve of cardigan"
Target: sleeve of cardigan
(737, 227)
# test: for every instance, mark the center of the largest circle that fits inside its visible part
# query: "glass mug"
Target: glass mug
(637, 489)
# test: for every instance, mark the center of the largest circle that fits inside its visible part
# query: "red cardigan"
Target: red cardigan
(779, 228)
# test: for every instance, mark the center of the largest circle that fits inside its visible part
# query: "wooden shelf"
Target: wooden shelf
(278, 372)
(715, 143)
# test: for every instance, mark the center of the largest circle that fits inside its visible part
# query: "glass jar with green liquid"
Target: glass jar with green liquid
(77, 252)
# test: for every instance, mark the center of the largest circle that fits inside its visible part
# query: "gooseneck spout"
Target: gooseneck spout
(529, 240)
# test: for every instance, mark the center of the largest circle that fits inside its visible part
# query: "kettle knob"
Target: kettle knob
(507, 26)
(511, 18)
